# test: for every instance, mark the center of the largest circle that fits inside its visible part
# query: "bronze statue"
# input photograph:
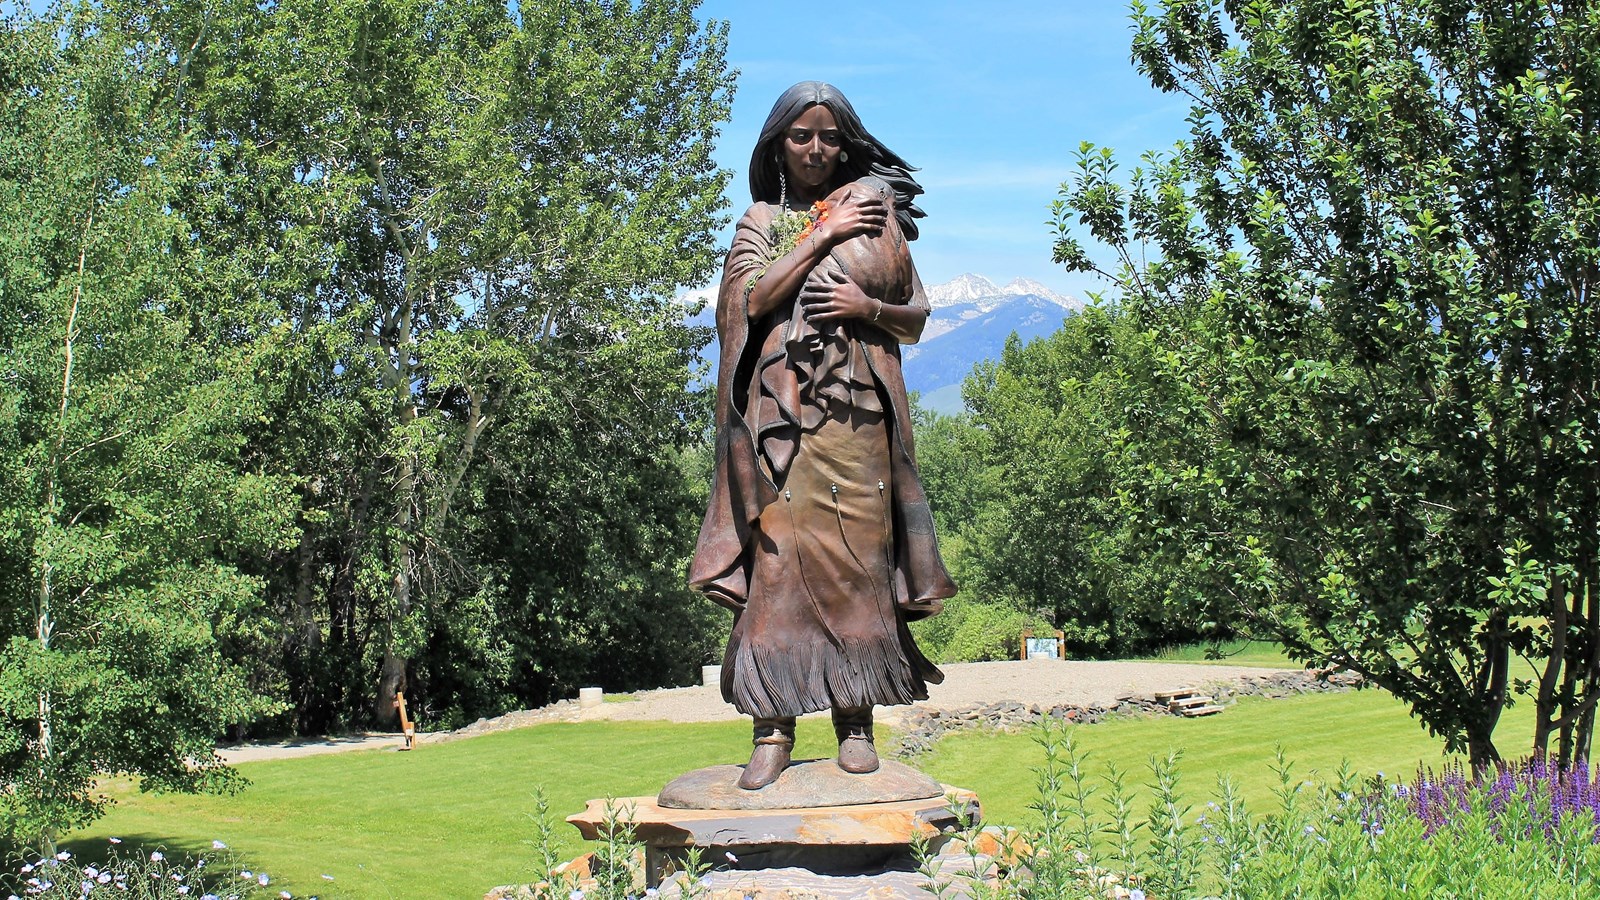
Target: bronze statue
(818, 534)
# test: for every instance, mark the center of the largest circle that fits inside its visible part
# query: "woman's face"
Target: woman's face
(811, 146)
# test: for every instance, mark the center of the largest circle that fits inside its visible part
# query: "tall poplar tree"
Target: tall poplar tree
(125, 495)
(340, 358)
(460, 213)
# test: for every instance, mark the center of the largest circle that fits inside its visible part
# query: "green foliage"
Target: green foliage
(1029, 494)
(340, 359)
(1368, 282)
(452, 233)
(1335, 837)
(470, 223)
(126, 492)
(972, 630)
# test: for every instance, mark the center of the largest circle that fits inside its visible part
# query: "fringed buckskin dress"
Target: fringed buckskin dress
(818, 533)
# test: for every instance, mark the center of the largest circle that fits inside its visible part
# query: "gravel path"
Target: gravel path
(1043, 683)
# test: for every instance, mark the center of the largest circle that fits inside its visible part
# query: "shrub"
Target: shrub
(975, 630)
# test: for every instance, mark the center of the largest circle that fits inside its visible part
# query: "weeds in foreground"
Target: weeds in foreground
(1529, 831)
(217, 875)
(971, 875)
(615, 870)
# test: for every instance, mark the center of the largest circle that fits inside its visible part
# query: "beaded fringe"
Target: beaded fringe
(792, 681)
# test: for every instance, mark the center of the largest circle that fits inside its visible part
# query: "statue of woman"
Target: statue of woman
(818, 534)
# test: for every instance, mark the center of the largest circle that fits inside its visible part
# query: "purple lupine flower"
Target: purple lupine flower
(1548, 793)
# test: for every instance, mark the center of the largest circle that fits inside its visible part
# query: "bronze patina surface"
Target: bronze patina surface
(818, 534)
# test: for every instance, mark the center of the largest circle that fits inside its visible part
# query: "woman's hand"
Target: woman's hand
(858, 213)
(831, 296)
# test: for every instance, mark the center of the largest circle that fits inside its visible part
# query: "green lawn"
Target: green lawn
(445, 820)
(1318, 732)
(451, 819)
(1268, 654)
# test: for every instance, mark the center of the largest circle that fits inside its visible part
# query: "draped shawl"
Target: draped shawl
(763, 401)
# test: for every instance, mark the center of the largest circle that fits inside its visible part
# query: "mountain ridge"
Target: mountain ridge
(971, 320)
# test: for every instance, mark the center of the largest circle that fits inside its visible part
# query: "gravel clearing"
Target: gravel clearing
(1036, 682)
(1042, 682)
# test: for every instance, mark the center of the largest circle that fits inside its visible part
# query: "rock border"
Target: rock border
(924, 728)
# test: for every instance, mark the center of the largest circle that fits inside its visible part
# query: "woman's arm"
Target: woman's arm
(852, 216)
(836, 297)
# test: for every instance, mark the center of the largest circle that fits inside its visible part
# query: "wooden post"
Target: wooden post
(1026, 633)
(405, 722)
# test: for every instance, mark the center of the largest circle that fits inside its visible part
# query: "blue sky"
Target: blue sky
(988, 100)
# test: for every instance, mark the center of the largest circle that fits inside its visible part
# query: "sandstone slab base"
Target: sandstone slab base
(805, 784)
(826, 840)
(897, 822)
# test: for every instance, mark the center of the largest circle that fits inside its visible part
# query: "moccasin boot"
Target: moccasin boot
(774, 741)
(857, 753)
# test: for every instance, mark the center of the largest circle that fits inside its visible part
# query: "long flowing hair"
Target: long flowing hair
(868, 156)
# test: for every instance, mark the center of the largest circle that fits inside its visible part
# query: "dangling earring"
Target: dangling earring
(783, 190)
(844, 156)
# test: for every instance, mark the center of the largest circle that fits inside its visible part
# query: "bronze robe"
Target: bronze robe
(818, 534)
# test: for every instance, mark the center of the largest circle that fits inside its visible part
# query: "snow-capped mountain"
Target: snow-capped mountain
(970, 323)
(971, 320)
(979, 290)
(1024, 287)
(961, 289)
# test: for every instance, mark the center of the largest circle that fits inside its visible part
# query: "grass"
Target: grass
(445, 820)
(451, 819)
(1369, 729)
(1267, 654)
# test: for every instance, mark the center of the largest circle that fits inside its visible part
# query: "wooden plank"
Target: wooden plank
(405, 722)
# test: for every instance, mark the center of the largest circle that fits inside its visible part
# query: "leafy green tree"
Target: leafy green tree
(1029, 496)
(125, 495)
(339, 352)
(1371, 274)
(467, 219)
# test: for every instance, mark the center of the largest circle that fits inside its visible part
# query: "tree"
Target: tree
(339, 351)
(1371, 271)
(124, 495)
(459, 214)
(1028, 487)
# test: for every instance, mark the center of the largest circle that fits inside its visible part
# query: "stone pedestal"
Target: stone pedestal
(805, 783)
(815, 817)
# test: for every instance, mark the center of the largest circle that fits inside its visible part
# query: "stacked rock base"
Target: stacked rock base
(815, 832)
